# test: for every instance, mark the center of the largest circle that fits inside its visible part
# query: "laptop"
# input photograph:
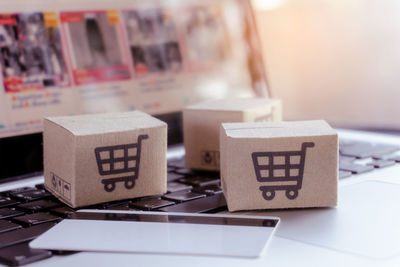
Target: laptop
(159, 65)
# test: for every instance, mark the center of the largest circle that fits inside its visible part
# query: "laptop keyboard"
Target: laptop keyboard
(27, 212)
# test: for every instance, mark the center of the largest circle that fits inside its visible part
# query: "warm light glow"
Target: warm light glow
(263, 5)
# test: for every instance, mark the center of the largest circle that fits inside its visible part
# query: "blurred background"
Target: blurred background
(334, 59)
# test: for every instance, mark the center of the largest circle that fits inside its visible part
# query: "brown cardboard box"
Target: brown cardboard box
(201, 123)
(279, 165)
(90, 159)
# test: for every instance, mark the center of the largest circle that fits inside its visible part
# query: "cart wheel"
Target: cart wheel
(292, 194)
(109, 187)
(129, 184)
(268, 194)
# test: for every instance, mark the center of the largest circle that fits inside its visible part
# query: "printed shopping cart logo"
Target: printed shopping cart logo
(280, 171)
(120, 160)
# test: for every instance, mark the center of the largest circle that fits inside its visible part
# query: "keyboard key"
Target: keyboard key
(344, 174)
(31, 195)
(354, 168)
(199, 180)
(175, 187)
(8, 213)
(109, 205)
(366, 150)
(39, 205)
(40, 186)
(185, 171)
(170, 169)
(7, 202)
(63, 211)
(6, 226)
(18, 190)
(35, 218)
(22, 254)
(385, 149)
(182, 196)
(173, 176)
(151, 203)
(123, 206)
(381, 163)
(395, 158)
(346, 158)
(206, 204)
(392, 157)
(347, 142)
(178, 163)
(208, 190)
(118, 203)
(23, 235)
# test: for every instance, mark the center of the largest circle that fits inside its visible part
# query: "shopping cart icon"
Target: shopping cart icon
(282, 171)
(120, 159)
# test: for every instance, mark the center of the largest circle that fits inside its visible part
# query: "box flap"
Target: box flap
(106, 123)
(232, 104)
(278, 129)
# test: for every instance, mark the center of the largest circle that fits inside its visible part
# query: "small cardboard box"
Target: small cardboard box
(279, 165)
(201, 123)
(89, 159)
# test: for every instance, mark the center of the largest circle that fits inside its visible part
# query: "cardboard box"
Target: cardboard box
(90, 159)
(279, 165)
(201, 123)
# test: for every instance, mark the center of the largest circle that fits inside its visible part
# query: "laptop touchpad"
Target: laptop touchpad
(366, 221)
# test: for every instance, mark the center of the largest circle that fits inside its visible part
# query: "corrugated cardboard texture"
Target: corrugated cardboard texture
(243, 190)
(201, 124)
(70, 157)
(59, 160)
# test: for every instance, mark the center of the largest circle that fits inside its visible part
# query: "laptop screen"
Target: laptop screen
(102, 56)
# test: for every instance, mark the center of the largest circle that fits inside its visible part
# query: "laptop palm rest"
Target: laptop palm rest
(366, 221)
